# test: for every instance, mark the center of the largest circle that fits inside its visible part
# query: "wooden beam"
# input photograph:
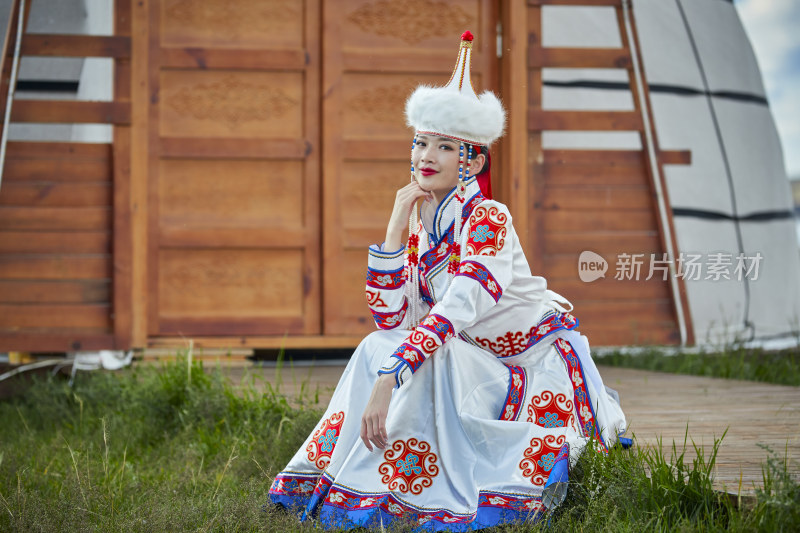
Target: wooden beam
(71, 111)
(230, 326)
(55, 266)
(49, 150)
(371, 149)
(55, 194)
(39, 44)
(567, 156)
(57, 169)
(55, 316)
(55, 292)
(675, 157)
(226, 58)
(515, 154)
(234, 148)
(539, 57)
(122, 257)
(53, 242)
(665, 222)
(61, 341)
(279, 341)
(581, 3)
(540, 120)
(141, 66)
(55, 218)
(174, 234)
(228, 148)
(9, 45)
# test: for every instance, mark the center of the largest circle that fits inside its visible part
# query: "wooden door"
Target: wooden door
(375, 53)
(233, 220)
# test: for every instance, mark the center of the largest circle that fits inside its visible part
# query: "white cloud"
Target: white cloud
(772, 26)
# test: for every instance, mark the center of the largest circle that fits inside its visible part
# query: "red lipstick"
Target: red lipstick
(427, 171)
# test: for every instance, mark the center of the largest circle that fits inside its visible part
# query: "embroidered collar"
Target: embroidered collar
(438, 220)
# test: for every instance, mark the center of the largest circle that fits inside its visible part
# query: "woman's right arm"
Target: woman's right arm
(385, 282)
(398, 223)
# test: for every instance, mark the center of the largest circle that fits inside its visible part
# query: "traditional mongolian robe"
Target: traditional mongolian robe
(496, 391)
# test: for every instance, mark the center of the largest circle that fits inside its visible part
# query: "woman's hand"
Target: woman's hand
(373, 422)
(398, 223)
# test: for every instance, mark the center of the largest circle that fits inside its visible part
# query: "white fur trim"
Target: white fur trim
(479, 120)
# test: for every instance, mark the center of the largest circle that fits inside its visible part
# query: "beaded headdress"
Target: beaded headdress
(456, 112)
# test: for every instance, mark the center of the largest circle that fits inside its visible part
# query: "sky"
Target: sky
(773, 27)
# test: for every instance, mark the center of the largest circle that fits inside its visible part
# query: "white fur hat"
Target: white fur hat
(455, 110)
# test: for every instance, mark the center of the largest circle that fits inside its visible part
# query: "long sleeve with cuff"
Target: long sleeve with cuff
(387, 289)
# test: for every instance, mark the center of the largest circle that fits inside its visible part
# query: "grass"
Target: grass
(735, 362)
(177, 448)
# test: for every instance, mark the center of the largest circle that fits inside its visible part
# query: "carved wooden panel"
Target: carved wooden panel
(234, 242)
(233, 23)
(376, 53)
(423, 24)
(223, 103)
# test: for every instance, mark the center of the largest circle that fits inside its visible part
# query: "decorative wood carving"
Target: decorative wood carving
(231, 100)
(381, 104)
(230, 17)
(403, 20)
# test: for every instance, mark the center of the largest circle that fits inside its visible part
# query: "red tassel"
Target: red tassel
(413, 249)
(466, 36)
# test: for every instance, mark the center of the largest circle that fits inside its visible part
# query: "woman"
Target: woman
(465, 410)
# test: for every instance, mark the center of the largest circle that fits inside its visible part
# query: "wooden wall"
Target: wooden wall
(256, 157)
(55, 247)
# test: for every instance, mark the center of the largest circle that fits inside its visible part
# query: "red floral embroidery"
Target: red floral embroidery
(385, 280)
(517, 384)
(323, 441)
(409, 467)
(481, 274)
(551, 411)
(487, 231)
(374, 299)
(292, 484)
(413, 249)
(540, 457)
(514, 342)
(440, 326)
(390, 320)
(582, 401)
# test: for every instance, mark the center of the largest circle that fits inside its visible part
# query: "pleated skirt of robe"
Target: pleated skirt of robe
(474, 441)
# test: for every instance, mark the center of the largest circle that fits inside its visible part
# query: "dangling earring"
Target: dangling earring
(461, 188)
(461, 192)
(412, 267)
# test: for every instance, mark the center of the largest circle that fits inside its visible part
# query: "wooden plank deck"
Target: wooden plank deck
(655, 404)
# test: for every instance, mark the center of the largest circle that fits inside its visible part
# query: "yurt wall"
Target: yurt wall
(256, 148)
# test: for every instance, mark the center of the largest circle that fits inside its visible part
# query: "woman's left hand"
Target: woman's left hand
(373, 422)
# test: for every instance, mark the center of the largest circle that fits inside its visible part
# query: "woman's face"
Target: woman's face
(436, 164)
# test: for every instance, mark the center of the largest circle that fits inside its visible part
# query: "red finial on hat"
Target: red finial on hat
(466, 36)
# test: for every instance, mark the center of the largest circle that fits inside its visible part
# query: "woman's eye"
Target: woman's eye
(446, 147)
(420, 143)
